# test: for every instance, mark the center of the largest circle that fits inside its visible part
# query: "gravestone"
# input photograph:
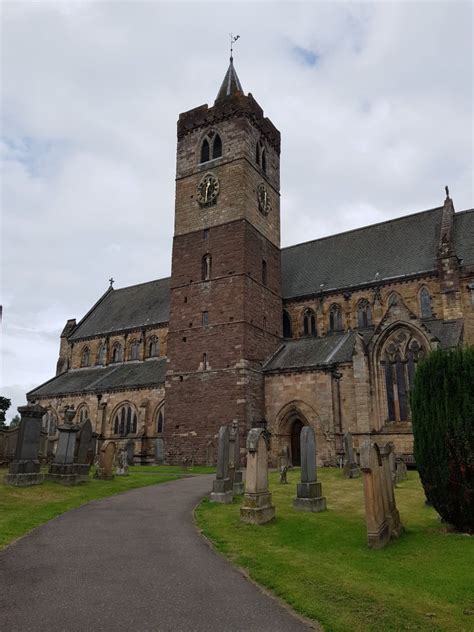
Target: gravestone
(63, 470)
(350, 468)
(308, 493)
(222, 485)
(131, 452)
(105, 462)
(92, 450)
(257, 505)
(121, 468)
(10, 444)
(82, 453)
(284, 459)
(238, 485)
(400, 469)
(391, 512)
(159, 451)
(378, 531)
(24, 470)
(393, 464)
(283, 474)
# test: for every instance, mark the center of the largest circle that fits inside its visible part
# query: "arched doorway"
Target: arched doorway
(295, 442)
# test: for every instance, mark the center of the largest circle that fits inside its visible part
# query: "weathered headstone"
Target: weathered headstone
(222, 485)
(24, 470)
(238, 485)
(84, 439)
(131, 452)
(106, 460)
(257, 506)
(63, 470)
(391, 512)
(121, 468)
(308, 493)
(400, 469)
(350, 469)
(283, 474)
(210, 460)
(393, 464)
(159, 451)
(378, 530)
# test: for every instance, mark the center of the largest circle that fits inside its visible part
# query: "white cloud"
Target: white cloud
(91, 94)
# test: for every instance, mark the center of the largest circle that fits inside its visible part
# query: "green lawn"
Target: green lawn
(22, 509)
(321, 566)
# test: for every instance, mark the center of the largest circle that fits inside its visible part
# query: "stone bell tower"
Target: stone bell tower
(226, 307)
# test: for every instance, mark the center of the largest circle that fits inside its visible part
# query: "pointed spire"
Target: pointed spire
(231, 84)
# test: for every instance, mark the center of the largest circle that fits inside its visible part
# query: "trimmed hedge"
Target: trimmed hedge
(442, 402)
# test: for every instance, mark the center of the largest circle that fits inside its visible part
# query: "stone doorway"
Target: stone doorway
(295, 442)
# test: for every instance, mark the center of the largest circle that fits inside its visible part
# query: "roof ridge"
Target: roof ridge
(126, 287)
(355, 230)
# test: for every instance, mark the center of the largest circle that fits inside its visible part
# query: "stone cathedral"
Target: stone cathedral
(326, 333)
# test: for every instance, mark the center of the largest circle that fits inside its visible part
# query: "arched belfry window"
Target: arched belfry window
(425, 303)
(117, 352)
(85, 357)
(287, 333)
(260, 156)
(364, 313)
(309, 323)
(398, 360)
(125, 420)
(335, 318)
(206, 267)
(211, 147)
(153, 347)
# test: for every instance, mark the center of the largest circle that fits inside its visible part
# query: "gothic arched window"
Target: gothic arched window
(264, 272)
(425, 303)
(50, 422)
(117, 352)
(82, 413)
(264, 161)
(398, 365)
(125, 420)
(204, 361)
(211, 147)
(309, 323)
(160, 420)
(206, 267)
(287, 333)
(101, 353)
(260, 156)
(153, 347)
(85, 357)
(335, 318)
(134, 350)
(364, 313)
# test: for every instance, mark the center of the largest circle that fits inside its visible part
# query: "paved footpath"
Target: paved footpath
(131, 562)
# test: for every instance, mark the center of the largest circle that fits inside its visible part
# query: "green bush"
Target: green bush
(442, 404)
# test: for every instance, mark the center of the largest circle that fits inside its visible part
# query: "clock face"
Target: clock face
(264, 205)
(208, 190)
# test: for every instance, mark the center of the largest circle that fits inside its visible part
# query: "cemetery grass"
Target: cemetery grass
(321, 566)
(24, 508)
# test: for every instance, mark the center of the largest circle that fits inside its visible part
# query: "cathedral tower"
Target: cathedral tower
(226, 308)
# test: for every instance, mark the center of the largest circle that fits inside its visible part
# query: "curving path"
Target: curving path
(131, 562)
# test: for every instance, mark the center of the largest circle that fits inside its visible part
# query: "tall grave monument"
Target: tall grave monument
(24, 470)
(308, 493)
(257, 507)
(222, 485)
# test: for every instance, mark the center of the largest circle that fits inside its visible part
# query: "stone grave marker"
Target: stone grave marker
(210, 459)
(378, 531)
(131, 452)
(24, 470)
(350, 468)
(238, 485)
(257, 505)
(400, 469)
(159, 451)
(105, 470)
(63, 470)
(82, 456)
(283, 474)
(121, 468)
(391, 512)
(308, 493)
(222, 485)
(393, 464)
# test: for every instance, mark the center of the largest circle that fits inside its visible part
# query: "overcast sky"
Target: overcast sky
(374, 103)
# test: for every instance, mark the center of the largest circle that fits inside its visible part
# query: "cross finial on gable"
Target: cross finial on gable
(111, 281)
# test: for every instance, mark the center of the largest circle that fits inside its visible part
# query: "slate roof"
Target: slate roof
(126, 308)
(311, 352)
(448, 332)
(398, 247)
(97, 379)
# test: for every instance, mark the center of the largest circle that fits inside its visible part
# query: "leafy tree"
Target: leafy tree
(443, 427)
(5, 404)
(15, 421)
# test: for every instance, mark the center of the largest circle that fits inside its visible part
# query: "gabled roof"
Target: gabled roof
(126, 308)
(448, 332)
(98, 379)
(231, 84)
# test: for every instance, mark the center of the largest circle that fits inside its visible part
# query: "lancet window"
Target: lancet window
(335, 318)
(425, 303)
(82, 413)
(85, 357)
(160, 420)
(309, 323)
(117, 353)
(101, 353)
(211, 147)
(260, 156)
(364, 313)
(125, 421)
(134, 350)
(153, 347)
(206, 267)
(287, 333)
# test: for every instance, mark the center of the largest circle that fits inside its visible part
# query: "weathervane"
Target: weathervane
(233, 39)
